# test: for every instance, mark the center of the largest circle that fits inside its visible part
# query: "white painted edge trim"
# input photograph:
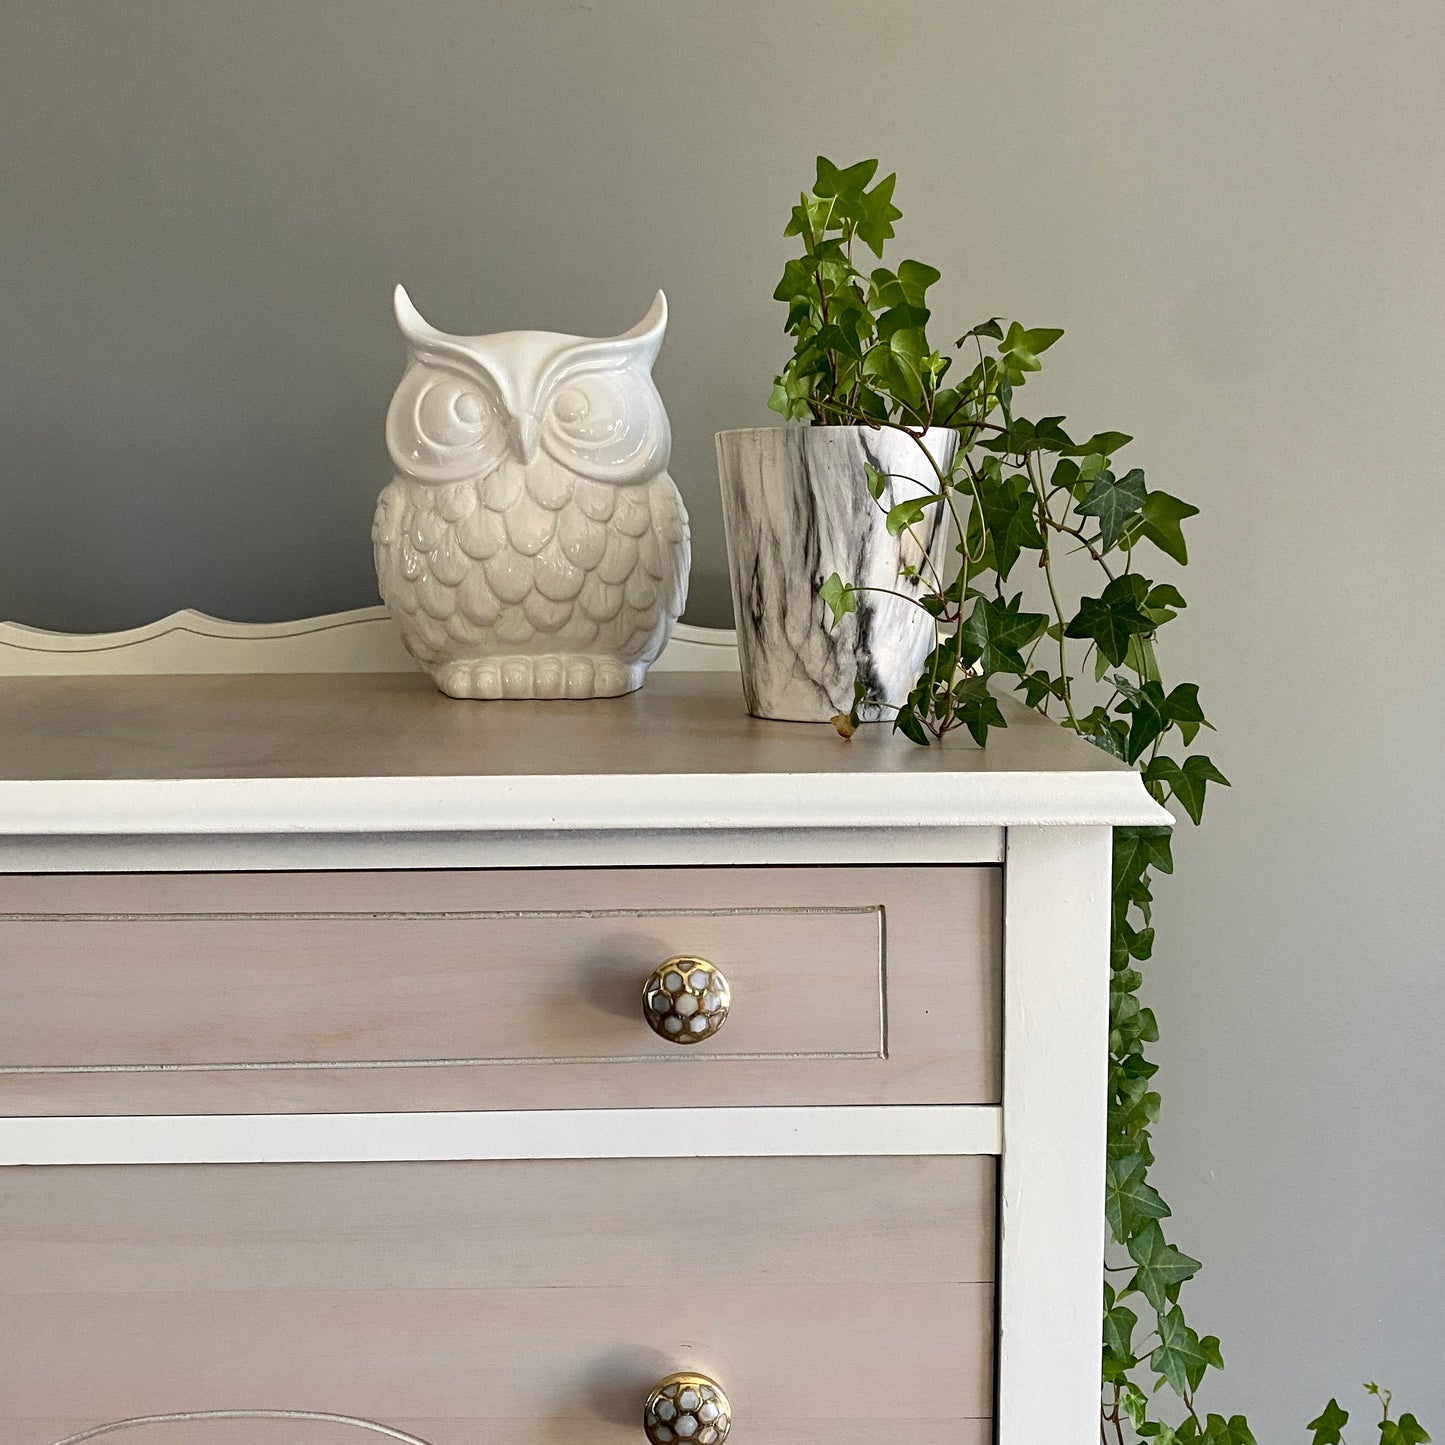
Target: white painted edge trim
(1057, 885)
(896, 1129)
(592, 803)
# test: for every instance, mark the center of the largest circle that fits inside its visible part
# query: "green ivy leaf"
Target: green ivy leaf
(996, 632)
(1161, 1267)
(1119, 1324)
(846, 184)
(796, 283)
(1113, 618)
(1148, 710)
(907, 513)
(1152, 712)
(1159, 521)
(894, 374)
(1328, 1424)
(1184, 711)
(1128, 1198)
(1178, 1356)
(990, 330)
(1164, 603)
(1115, 1367)
(951, 407)
(1010, 519)
(1233, 1431)
(903, 318)
(1105, 732)
(840, 597)
(1023, 347)
(976, 708)
(1407, 1430)
(1038, 685)
(1023, 437)
(1141, 658)
(1113, 500)
(911, 726)
(878, 215)
(1136, 849)
(1186, 783)
(1104, 443)
(1140, 943)
(914, 279)
(1135, 1404)
(1049, 435)
(1157, 1432)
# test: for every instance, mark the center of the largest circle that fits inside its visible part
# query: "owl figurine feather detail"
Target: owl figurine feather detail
(532, 543)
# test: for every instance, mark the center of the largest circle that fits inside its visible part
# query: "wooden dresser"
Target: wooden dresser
(333, 1109)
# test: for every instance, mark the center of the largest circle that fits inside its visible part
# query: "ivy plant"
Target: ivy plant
(1052, 594)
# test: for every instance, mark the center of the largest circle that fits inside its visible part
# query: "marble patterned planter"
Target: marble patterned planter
(796, 509)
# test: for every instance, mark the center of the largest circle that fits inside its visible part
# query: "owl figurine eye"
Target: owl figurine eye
(587, 413)
(444, 424)
(606, 424)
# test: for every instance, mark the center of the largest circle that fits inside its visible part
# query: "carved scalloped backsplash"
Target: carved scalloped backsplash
(363, 640)
(157, 1427)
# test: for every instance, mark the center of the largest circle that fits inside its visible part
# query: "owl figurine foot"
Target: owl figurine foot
(574, 677)
(531, 543)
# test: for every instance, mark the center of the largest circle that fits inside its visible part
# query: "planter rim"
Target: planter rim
(739, 431)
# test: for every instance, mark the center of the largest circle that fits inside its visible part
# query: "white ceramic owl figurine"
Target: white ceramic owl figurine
(532, 543)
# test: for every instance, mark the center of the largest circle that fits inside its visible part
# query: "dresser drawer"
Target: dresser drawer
(836, 1301)
(238, 993)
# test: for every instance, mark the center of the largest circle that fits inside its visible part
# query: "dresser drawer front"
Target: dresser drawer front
(239, 993)
(836, 1301)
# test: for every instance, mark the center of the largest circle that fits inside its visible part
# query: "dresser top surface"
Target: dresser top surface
(680, 752)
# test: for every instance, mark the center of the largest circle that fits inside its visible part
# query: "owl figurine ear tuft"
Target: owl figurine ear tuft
(648, 332)
(421, 336)
(635, 348)
(413, 325)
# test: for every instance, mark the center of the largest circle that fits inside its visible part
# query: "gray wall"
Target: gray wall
(1233, 207)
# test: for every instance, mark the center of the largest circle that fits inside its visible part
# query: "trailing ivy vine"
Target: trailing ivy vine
(1050, 594)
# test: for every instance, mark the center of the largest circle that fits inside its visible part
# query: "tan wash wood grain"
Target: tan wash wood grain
(379, 725)
(494, 989)
(502, 1304)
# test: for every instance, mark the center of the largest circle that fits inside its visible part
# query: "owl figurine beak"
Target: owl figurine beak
(527, 430)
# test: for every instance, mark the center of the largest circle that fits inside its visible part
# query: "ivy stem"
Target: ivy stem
(1087, 545)
(892, 592)
(1046, 562)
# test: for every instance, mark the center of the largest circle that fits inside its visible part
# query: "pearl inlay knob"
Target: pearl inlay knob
(687, 1409)
(686, 1000)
